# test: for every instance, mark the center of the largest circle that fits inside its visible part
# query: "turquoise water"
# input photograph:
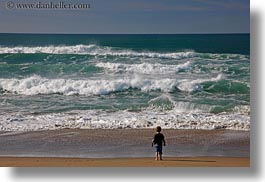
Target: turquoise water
(113, 81)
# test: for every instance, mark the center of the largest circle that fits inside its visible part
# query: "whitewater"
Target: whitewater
(93, 86)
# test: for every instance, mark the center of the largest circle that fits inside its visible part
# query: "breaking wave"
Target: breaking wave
(165, 102)
(38, 85)
(192, 85)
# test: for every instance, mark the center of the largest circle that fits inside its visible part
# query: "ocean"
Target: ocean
(199, 81)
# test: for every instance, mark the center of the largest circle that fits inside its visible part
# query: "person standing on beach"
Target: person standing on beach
(158, 141)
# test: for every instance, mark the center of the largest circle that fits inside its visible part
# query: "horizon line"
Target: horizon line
(210, 33)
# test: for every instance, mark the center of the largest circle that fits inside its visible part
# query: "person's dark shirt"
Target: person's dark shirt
(159, 139)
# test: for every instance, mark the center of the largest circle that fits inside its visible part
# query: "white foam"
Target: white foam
(144, 68)
(94, 50)
(242, 109)
(93, 119)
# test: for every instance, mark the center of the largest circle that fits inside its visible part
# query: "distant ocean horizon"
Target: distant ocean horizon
(181, 81)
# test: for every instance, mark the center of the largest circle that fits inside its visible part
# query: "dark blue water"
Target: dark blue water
(204, 43)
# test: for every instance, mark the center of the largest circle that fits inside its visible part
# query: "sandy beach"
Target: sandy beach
(126, 162)
(123, 147)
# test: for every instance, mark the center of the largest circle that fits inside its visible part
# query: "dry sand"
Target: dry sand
(125, 162)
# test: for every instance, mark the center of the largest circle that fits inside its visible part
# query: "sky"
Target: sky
(129, 17)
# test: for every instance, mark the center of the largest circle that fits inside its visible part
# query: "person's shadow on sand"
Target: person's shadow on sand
(187, 160)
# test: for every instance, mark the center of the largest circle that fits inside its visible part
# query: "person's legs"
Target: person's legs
(156, 156)
(160, 153)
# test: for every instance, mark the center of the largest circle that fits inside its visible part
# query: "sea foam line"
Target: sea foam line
(93, 50)
(93, 119)
(144, 68)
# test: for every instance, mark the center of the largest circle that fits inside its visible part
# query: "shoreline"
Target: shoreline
(125, 162)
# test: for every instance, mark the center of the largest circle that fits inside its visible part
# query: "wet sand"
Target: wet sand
(106, 147)
(125, 162)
